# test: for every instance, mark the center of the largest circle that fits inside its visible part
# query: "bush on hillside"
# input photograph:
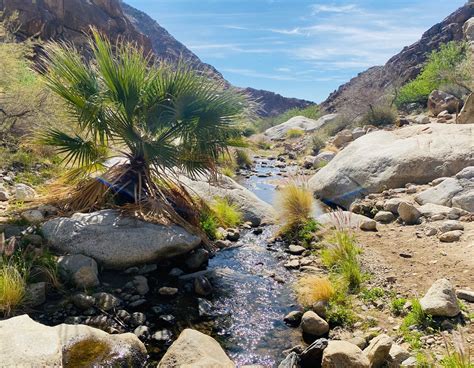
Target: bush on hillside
(294, 133)
(317, 143)
(380, 116)
(443, 67)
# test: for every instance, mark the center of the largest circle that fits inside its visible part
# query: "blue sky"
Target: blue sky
(298, 48)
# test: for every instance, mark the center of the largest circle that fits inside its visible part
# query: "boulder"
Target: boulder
(32, 216)
(450, 236)
(442, 194)
(464, 199)
(313, 325)
(26, 343)
(430, 210)
(298, 122)
(439, 101)
(313, 354)
(116, 241)
(408, 213)
(466, 173)
(440, 300)
(384, 217)
(466, 116)
(390, 159)
(468, 29)
(397, 355)
(343, 354)
(342, 138)
(392, 204)
(194, 349)
(79, 270)
(24, 193)
(378, 350)
(253, 208)
(451, 225)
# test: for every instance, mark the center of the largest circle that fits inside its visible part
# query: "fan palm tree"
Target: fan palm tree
(158, 120)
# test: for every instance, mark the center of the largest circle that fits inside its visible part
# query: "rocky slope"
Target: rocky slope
(70, 19)
(405, 65)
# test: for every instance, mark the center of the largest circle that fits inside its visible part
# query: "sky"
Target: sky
(298, 48)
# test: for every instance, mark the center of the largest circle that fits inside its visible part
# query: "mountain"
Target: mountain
(70, 20)
(405, 65)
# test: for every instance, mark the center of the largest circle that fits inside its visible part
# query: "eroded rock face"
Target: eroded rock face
(26, 343)
(391, 159)
(116, 241)
(195, 349)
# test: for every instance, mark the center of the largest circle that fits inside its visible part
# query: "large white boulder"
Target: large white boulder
(253, 208)
(26, 343)
(117, 241)
(442, 194)
(194, 349)
(390, 159)
(298, 122)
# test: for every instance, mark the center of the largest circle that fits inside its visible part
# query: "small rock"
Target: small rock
(80, 270)
(451, 236)
(142, 332)
(141, 284)
(123, 315)
(176, 272)
(167, 319)
(292, 264)
(451, 225)
(368, 225)
(296, 249)
(391, 205)
(162, 336)
(378, 350)
(313, 354)
(293, 318)
(202, 286)
(343, 354)
(4, 196)
(320, 308)
(408, 213)
(83, 301)
(397, 355)
(431, 231)
(205, 308)
(137, 319)
(384, 217)
(291, 361)
(106, 301)
(24, 193)
(197, 259)
(167, 291)
(233, 234)
(410, 363)
(32, 216)
(314, 325)
(467, 295)
(36, 294)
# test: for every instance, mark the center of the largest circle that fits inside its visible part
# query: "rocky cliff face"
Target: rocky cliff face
(405, 65)
(71, 19)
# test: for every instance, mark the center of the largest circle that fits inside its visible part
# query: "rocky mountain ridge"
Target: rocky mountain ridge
(70, 20)
(405, 65)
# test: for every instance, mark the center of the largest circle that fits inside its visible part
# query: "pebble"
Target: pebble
(167, 291)
(162, 336)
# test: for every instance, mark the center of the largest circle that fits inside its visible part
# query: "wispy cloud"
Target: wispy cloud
(323, 8)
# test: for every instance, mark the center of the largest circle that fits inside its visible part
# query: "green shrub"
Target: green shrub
(380, 116)
(294, 133)
(249, 131)
(243, 159)
(442, 67)
(310, 112)
(208, 224)
(226, 214)
(417, 318)
(373, 294)
(12, 288)
(342, 257)
(263, 144)
(317, 143)
(397, 305)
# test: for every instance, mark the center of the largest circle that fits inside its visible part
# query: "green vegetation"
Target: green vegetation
(295, 204)
(372, 295)
(445, 66)
(381, 115)
(208, 224)
(457, 360)
(226, 214)
(340, 311)
(413, 322)
(243, 159)
(294, 133)
(397, 305)
(317, 143)
(12, 288)
(310, 112)
(342, 257)
(160, 118)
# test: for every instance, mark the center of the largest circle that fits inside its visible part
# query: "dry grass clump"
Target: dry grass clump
(295, 204)
(12, 289)
(311, 289)
(294, 133)
(226, 213)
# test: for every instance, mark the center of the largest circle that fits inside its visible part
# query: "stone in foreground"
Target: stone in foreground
(194, 349)
(116, 241)
(343, 354)
(314, 325)
(440, 300)
(26, 343)
(378, 350)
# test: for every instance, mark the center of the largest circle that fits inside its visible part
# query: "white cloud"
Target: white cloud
(322, 8)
